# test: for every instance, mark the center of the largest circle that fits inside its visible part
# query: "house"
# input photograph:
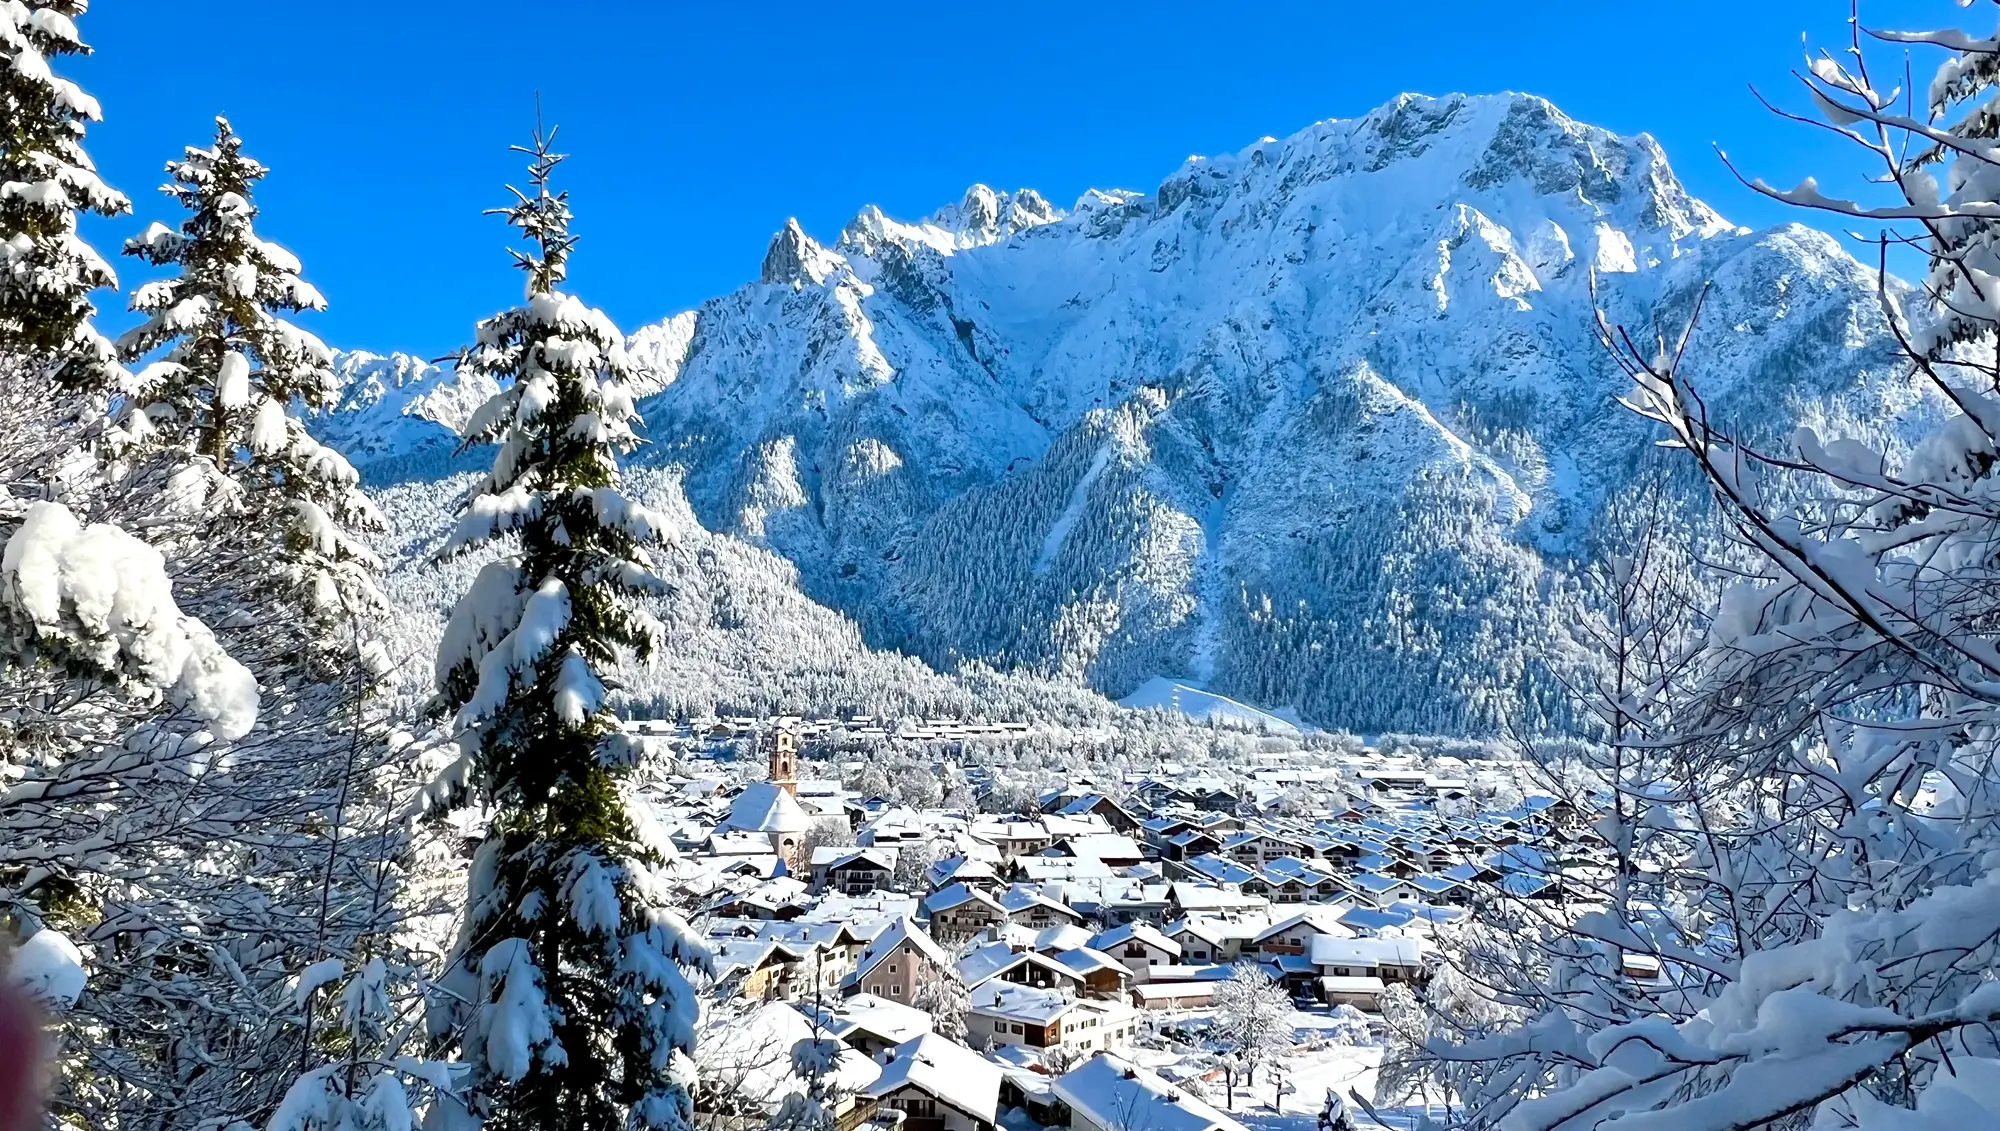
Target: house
(961, 870)
(1115, 850)
(1189, 843)
(1296, 934)
(1096, 804)
(1017, 965)
(1140, 946)
(939, 1085)
(898, 961)
(1253, 847)
(854, 871)
(1209, 939)
(1108, 1093)
(1392, 960)
(1103, 976)
(961, 911)
(1175, 995)
(1030, 908)
(1208, 899)
(1003, 1015)
(869, 1024)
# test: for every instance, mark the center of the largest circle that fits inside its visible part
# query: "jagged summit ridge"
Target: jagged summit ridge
(1317, 423)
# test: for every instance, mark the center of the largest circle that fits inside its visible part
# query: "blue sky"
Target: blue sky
(696, 129)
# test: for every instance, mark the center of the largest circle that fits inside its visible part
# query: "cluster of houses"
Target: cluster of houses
(977, 963)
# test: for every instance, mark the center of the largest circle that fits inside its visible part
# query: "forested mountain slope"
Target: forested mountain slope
(1319, 424)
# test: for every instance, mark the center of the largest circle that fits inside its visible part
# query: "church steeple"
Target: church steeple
(783, 747)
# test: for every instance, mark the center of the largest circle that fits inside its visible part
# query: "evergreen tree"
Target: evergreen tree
(566, 997)
(231, 369)
(47, 271)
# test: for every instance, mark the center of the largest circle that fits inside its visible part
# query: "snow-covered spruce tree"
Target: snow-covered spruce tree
(1820, 787)
(229, 369)
(567, 997)
(47, 271)
(202, 866)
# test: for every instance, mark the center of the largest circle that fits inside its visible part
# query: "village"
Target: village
(1087, 964)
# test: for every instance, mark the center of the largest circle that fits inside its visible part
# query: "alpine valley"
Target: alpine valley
(1323, 425)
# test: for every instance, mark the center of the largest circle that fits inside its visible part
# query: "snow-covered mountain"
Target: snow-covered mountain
(1315, 425)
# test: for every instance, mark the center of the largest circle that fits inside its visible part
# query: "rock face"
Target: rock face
(1317, 424)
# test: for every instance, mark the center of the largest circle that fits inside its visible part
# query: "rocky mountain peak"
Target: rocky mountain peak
(796, 259)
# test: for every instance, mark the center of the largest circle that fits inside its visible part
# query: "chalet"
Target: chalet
(1111, 1094)
(898, 961)
(1371, 889)
(1030, 908)
(939, 1085)
(1208, 899)
(1139, 946)
(1295, 935)
(1253, 848)
(1004, 1015)
(855, 871)
(1017, 966)
(869, 1024)
(1096, 804)
(961, 870)
(1189, 843)
(961, 911)
(1392, 960)
(1115, 850)
(1103, 976)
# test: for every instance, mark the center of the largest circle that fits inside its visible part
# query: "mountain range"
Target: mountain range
(1322, 425)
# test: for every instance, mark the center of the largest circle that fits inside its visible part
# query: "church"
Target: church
(771, 808)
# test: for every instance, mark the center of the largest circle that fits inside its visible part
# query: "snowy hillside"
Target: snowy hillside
(1314, 425)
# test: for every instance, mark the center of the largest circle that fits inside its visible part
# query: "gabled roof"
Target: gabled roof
(959, 895)
(1144, 933)
(995, 959)
(880, 859)
(1323, 921)
(1111, 1092)
(1020, 1003)
(946, 1070)
(1084, 960)
(892, 1021)
(889, 941)
(1367, 952)
(1018, 899)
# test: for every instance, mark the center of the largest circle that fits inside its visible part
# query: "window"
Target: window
(892, 968)
(895, 991)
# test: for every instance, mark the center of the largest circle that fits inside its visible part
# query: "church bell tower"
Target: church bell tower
(783, 748)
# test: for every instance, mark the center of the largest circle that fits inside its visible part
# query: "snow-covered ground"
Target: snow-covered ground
(1192, 701)
(1291, 1098)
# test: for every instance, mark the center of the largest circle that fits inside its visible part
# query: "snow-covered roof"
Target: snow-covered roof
(1330, 951)
(1144, 933)
(946, 1070)
(1110, 1091)
(889, 941)
(1020, 1003)
(865, 1013)
(765, 808)
(754, 1052)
